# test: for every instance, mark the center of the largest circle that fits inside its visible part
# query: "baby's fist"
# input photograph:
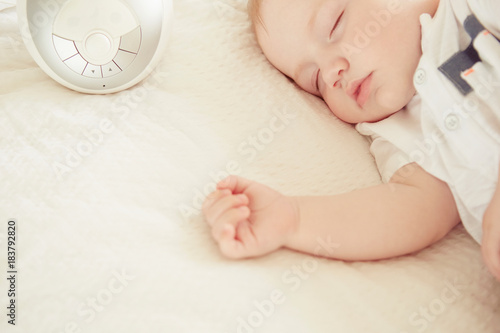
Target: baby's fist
(248, 219)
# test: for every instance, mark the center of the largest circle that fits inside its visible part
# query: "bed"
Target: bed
(105, 192)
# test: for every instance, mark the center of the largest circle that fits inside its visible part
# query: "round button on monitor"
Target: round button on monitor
(98, 46)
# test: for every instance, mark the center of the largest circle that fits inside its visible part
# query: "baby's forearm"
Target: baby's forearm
(375, 223)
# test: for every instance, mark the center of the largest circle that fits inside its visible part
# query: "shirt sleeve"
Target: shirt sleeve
(395, 139)
(388, 157)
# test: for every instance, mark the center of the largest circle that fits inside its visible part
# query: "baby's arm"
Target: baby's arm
(491, 234)
(409, 213)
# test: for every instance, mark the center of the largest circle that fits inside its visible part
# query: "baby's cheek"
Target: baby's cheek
(343, 108)
(393, 99)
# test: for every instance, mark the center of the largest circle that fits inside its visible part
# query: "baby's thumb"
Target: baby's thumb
(234, 183)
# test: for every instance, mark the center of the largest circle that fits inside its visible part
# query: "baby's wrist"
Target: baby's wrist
(293, 235)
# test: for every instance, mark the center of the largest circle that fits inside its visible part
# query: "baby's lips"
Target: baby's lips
(352, 87)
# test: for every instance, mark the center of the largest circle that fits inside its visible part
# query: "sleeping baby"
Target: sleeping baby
(420, 79)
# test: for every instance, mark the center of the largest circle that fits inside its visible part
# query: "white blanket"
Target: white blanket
(105, 192)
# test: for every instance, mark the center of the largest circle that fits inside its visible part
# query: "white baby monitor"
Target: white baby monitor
(96, 46)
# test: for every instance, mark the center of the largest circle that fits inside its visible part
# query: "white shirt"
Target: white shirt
(452, 126)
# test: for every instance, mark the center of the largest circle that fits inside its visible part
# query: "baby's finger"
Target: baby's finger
(230, 218)
(234, 183)
(224, 204)
(238, 243)
(213, 198)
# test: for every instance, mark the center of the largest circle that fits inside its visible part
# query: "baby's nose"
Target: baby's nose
(333, 72)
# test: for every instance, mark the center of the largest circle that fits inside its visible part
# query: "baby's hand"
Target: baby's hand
(249, 219)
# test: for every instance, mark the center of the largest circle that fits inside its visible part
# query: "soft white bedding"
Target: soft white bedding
(106, 193)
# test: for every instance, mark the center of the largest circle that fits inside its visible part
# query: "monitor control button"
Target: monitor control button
(131, 41)
(123, 59)
(110, 69)
(93, 71)
(98, 45)
(65, 48)
(76, 63)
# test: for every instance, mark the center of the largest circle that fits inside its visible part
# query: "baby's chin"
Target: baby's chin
(391, 101)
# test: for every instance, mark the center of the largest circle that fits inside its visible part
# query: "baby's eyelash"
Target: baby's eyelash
(336, 24)
(316, 82)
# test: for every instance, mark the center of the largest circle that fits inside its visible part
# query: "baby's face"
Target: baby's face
(358, 55)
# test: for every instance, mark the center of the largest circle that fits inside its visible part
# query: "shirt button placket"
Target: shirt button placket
(451, 122)
(420, 77)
